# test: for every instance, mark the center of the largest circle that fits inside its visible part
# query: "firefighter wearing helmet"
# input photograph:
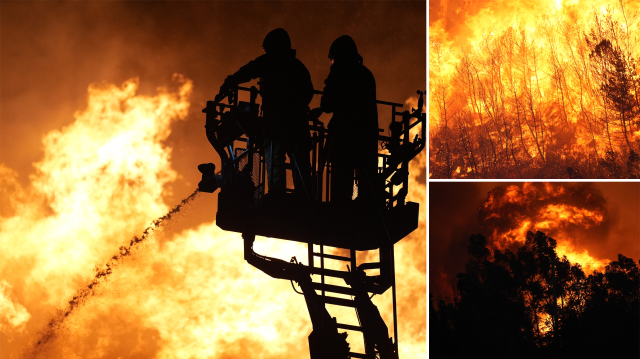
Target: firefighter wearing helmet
(286, 90)
(350, 94)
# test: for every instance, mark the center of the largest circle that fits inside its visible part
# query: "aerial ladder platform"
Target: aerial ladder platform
(235, 129)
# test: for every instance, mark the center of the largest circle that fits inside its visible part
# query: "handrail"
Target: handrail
(318, 92)
(402, 150)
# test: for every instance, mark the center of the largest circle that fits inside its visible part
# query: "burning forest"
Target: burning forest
(542, 274)
(542, 89)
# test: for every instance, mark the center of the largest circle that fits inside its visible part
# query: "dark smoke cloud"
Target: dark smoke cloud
(623, 200)
(456, 212)
(452, 219)
(501, 215)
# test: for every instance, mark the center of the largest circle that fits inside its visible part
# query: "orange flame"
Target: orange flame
(519, 87)
(559, 210)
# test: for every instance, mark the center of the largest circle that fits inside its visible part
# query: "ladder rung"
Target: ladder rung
(333, 288)
(369, 265)
(331, 256)
(348, 327)
(339, 301)
(357, 355)
(330, 272)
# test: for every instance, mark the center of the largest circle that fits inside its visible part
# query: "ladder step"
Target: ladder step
(369, 265)
(357, 355)
(349, 327)
(339, 301)
(333, 288)
(330, 272)
(331, 256)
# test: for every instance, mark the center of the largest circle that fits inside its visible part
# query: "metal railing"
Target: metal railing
(393, 166)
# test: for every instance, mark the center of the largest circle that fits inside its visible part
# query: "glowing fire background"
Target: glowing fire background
(99, 137)
(591, 222)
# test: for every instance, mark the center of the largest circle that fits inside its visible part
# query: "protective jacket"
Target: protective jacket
(350, 94)
(285, 87)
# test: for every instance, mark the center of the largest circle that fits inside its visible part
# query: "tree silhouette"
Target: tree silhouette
(532, 304)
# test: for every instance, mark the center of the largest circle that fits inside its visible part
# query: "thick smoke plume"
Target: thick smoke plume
(591, 222)
(574, 214)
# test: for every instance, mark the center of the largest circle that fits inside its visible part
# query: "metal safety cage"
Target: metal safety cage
(237, 121)
(236, 132)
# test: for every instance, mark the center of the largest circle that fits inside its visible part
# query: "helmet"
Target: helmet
(276, 41)
(344, 48)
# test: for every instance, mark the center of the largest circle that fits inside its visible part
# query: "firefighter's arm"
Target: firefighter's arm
(332, 87)
(246, 73)
(327, 101)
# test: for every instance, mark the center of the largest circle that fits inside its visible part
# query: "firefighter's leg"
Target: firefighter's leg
(275, 158)
(369, 188)
(342, 180)
(299, 156)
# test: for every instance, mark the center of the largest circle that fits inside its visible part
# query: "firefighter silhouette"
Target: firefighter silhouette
(350, 94)
(286, 90)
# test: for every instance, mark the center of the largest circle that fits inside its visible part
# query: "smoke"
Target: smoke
(11, 313)
(560, 209)
(453, 208)
(574, 214)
